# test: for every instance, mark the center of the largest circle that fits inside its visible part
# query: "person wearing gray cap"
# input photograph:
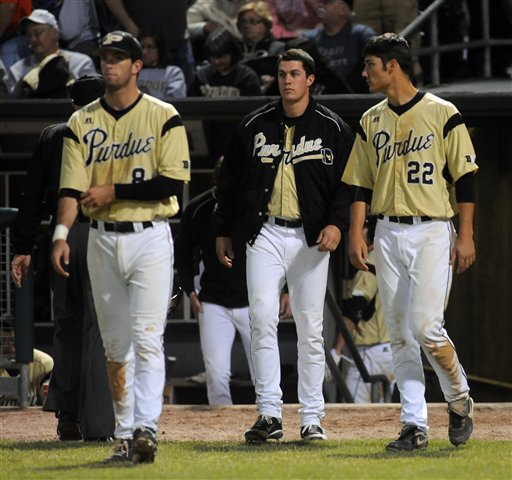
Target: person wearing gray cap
(78, 392)
(42, 31)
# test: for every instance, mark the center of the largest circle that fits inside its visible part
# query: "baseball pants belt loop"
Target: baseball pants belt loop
(282, 222)
(120, 227)
(405, 220)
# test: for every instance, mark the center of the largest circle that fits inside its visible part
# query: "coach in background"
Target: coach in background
(78, 392)
(411, 150)
(124, 163)
(280, 188)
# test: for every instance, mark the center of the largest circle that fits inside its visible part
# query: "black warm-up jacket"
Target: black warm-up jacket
(321, 144)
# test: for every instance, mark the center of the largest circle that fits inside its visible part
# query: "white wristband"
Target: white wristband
(60, 233)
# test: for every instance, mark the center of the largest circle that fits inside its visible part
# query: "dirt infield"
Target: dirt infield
(493, 421)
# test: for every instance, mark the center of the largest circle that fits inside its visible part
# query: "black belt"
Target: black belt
(287, 223)
(120, 227)
(406, 220)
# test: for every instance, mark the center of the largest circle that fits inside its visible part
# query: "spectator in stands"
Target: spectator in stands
(39, 369)
(79, 27)
(260, 48)
(362, 314)
(291, 17)
(341, 42)
(158, 78)
(206, 16)
(222, 76)
(391, 16)
(12, 45)
(170, 17)
(48, 69)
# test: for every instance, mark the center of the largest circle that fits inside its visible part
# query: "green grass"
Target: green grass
(342, 460)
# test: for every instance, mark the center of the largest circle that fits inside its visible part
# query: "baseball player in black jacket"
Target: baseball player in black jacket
(280, 187)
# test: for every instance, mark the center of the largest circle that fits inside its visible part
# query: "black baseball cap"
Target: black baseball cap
(86, 89)
(123, 42)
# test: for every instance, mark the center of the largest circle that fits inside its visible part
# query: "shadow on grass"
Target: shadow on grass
(262, 447)
(46, 445)
(443, 452)
(432, 452)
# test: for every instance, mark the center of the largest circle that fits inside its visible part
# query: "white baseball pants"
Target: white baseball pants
(131, 279)
(414, 278)
(281, 255)
(378, 361)
(217, 329)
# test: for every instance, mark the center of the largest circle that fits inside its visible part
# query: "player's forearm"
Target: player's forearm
(67, 211)
(357, 217)
(466, 214)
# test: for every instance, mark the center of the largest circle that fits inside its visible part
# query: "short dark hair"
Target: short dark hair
(222, 42)
(389, 46)
(300, 56)
(149, 31)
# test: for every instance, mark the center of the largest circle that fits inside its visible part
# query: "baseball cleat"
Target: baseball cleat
(121, 452)
(461, 421)
(143, 445)
(411, 438)
(308, 433)
(265, 428)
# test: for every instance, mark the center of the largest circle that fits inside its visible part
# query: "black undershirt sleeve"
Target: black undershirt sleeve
(157, 188)
(70, 192)
(465, 188)
(360, 194)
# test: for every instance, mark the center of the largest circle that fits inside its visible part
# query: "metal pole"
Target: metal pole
(486, 37)
(24, 324)
(421, 18)
(434, 41)
(23, 386)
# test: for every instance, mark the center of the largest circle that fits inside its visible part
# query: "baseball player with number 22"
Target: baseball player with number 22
(125, 159)
(410, 150)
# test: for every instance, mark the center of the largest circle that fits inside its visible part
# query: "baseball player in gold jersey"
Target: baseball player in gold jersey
(411, 149)
(125, 159)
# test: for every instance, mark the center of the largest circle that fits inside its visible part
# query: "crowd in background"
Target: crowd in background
(210, 48)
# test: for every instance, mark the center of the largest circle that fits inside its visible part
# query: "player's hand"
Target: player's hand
(285, 309)
(98, 196)
(224, 248)
(196, 305)
(464, 253)
(358, 250)
(60, 257)
(19, 268)
(329, 239)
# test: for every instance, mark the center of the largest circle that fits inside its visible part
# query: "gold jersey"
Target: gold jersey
(145, 141)
(411, 157)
